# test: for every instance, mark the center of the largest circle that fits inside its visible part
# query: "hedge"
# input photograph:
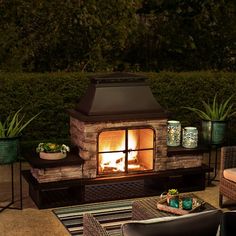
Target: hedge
(53, 93)
(50, 93)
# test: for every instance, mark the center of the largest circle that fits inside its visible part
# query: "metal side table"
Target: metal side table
(215, 158)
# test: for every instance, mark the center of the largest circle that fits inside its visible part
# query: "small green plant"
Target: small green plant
(52, 147)
(173, 191)
(216, 111)
(14, 124)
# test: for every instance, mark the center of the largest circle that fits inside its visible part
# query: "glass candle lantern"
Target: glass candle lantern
(173, 133)
(190, 137)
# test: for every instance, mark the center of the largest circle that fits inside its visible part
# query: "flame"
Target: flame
(116, 160)
(132, 144)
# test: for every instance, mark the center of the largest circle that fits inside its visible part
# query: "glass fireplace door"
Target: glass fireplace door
(140, 149)
(111, 155)
(126, 150)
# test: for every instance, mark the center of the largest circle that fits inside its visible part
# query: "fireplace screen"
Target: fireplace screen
(125, 150)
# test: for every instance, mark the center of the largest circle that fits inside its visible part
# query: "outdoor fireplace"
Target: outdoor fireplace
(119, 127)
(118, 149)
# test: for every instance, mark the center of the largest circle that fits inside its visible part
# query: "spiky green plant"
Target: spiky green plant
(173, 191)
(216, 111)
(14, 124)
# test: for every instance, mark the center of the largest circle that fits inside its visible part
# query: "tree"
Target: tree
(102, 35)
(188, 34)
(65, 35)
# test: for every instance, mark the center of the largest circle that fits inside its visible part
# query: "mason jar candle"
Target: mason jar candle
(173, 133)
(190, 137)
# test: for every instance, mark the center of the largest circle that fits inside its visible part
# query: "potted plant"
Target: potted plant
(52, 151)
(10, 132)
(214, 117)
(172, 194)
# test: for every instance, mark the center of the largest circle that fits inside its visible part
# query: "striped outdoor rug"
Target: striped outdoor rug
(110, 214)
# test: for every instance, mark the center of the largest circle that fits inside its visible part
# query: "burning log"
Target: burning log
(119, 160)
(135, 167)
(132, 162)
(109, 169)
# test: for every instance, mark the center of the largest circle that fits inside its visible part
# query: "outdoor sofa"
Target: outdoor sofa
(204, 223)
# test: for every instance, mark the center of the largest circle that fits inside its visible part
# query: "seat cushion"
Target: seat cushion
(204, 224)
(230, 174)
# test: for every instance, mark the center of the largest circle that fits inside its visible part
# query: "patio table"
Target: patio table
(147, 209)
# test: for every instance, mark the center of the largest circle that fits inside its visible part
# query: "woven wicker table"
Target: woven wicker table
(146, 209)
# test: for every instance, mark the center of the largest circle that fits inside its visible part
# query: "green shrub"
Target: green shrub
(53, 93)
(50, 93)
(177, 90)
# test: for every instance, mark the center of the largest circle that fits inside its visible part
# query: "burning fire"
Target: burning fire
(115, 161)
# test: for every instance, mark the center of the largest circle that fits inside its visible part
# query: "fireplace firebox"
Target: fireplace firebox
(127, 150)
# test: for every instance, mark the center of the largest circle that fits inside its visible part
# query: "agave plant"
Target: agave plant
(14, 124)
(216, 111)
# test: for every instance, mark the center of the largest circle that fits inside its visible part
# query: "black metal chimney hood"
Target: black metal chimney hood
(116, 97)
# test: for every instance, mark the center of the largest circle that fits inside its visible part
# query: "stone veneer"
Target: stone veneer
(57, 173)
(84, 135)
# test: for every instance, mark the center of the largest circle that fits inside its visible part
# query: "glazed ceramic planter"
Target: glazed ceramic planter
(214, 132)
(9, 150)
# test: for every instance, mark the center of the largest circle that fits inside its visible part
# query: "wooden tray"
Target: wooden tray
(163, 206)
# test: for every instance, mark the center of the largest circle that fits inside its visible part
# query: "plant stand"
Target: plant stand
(213, 152)
(12, 200)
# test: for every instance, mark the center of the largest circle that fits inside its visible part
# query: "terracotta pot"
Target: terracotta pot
(52, 155)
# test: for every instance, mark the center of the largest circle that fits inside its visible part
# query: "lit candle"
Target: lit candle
(190, 137)
(173, 133)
